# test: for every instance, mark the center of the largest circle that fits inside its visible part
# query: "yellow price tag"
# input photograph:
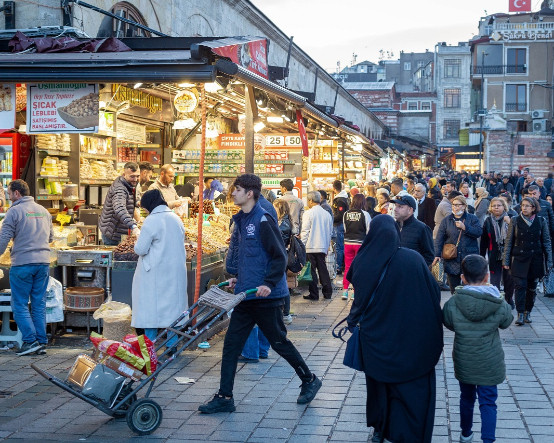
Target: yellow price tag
(63, 218)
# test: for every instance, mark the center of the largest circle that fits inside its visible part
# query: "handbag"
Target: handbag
(438, 271)
(548, 283)
(305, 275)
(353, 357)
(450, 251)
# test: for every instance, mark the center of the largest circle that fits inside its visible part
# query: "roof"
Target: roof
(368, 86)
(174, 66)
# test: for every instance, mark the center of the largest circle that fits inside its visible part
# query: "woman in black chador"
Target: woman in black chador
(401, 334)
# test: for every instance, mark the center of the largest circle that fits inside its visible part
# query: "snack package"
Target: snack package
(145, 347)
(121, 350)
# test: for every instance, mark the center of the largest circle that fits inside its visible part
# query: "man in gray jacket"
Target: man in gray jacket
(30, 227)
(317, 226)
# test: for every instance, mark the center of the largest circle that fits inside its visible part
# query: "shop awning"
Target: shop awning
(174, 66)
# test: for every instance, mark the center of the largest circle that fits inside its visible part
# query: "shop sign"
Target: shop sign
(7, 105)
(185, 101)
(136, 97)
(251, 55)
(131, 132)
(62, 108)
(261, 141)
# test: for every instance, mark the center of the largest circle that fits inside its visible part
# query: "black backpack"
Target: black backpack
(296, 255)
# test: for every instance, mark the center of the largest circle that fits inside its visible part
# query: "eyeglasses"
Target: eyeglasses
(458, 204)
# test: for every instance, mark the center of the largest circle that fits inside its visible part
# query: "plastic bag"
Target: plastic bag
(305, 275)
(54, 301)
(113, 311)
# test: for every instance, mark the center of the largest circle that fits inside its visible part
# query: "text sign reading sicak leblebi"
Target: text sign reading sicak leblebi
(62, 108)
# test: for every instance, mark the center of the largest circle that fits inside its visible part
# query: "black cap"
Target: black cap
(405, 200)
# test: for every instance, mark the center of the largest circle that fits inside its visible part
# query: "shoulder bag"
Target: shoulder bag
(450, 251)
(353, 353)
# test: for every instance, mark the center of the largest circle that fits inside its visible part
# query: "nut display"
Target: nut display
(208, 207)
(83, 106)
(125, 251)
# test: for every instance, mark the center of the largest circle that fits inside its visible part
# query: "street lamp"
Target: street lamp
(482, 110)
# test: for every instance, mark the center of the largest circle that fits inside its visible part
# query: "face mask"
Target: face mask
(459, 213)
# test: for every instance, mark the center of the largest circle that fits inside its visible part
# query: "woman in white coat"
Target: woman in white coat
(160, 280)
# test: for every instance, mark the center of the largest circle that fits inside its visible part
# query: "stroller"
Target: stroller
(114, 388)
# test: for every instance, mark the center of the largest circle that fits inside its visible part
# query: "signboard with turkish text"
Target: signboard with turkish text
(261, 141)
(246, 52)
(7, 105)
(131, 132)
(62, 108)
(520, 5)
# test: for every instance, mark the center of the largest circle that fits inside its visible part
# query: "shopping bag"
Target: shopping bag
(438, 272)
(548, 283)
(305, 275)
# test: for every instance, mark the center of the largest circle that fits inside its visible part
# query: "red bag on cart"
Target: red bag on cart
(120, 350)
(145, 347)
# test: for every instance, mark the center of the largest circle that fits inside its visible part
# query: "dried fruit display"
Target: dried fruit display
(125, 251)
(208, 207)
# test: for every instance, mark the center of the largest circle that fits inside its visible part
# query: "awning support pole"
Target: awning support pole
(288, 61)
(250, 114)
(200, 196)
(343, 143)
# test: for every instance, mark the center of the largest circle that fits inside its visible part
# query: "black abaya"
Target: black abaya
(401, 332)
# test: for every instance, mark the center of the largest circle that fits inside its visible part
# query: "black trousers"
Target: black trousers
(498, 273)
(270, 321)
(525, 292)
(318, 264)
(453, 281)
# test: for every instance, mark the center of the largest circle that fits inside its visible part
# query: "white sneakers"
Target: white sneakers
(287, 319)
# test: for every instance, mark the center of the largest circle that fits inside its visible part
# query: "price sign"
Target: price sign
(63, 219)
(274, 140)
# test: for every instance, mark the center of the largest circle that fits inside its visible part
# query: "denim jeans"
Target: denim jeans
(487, 405)
(109, 242)
(256, 345)
(30, 282)
(152, 333)
(338, 232)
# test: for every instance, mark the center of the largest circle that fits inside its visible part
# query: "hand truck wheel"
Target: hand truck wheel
(122, 412)
(144, 416)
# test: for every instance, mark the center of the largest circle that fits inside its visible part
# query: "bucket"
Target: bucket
(81, 298)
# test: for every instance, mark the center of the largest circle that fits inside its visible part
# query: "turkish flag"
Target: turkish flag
(520, 5)
(302, 132)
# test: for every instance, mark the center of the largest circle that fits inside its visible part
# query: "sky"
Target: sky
(333, 30)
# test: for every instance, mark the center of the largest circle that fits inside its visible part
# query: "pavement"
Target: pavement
(32, 409)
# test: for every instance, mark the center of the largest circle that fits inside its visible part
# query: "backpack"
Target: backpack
(296, 258)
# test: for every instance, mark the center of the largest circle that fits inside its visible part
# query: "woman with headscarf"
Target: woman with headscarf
(214, 191)
(435, 190)
(495, 231)
(160, 282)
(461, 229)
(399, 365)
(481, 204)
(527, 252)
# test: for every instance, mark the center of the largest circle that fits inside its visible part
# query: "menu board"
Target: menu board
(131, 132)
(62, 108)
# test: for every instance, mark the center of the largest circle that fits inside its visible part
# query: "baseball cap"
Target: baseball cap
(405, 200)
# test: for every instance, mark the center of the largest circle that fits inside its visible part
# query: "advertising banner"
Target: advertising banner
(62, 108)
(7, 106)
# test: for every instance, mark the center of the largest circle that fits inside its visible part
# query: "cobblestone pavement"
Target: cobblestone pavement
(32, 409)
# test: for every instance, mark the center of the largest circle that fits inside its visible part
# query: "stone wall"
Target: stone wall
(501, 152)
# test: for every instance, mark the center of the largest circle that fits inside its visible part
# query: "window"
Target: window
(516, 98)
(520, 149)
(412, 106)
(121, 29)
(407, 66)
(452, 68)
(425, 106)
(420, 64)
(516, 60)
(452, 98)
(451, 128)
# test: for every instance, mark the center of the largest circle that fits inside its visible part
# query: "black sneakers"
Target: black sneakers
(42, 349)
(29, 348)
(308, 391)
(218, 404)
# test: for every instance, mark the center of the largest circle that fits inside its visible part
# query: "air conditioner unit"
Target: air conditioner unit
(539, 125)
(537, 114)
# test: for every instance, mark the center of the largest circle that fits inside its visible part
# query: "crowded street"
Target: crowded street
(31, 409)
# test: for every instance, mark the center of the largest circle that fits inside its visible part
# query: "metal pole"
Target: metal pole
(481, 111)
(342, 155)
(250, 110)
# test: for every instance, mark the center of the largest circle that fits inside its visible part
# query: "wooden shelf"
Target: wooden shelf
(98, 156)
(55, 152)
(234, 174)
(54, 178)
(325, 161)
(100, 134)
(325, 174)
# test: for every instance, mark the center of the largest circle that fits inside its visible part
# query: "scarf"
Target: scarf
(529, 220)
(481, 194)
(500, 232)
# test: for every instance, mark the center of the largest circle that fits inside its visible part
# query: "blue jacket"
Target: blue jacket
(257, 255)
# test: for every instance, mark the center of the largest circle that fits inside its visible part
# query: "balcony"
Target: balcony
(499, 69)
(516, 107)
